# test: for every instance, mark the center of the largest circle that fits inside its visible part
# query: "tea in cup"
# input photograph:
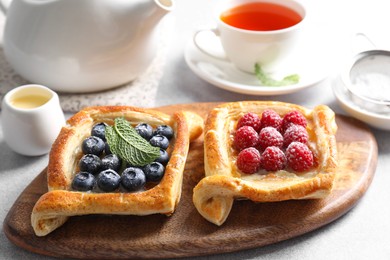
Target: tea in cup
(31, 119)
(262, 32)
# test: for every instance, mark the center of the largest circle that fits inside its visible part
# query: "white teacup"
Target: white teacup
(244, 45)
(31, 119)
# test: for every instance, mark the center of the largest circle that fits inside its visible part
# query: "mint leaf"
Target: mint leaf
(125, 142)
(268, 81)
(112, 139)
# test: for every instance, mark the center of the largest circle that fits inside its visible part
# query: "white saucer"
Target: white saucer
(380, 121)
(312, 62)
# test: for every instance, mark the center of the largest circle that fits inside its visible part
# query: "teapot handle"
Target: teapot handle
(4, 5)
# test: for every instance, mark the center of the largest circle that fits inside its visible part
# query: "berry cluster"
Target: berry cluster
(104, 171)
(272, 143)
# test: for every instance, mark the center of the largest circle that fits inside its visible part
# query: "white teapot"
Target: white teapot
(82, 45)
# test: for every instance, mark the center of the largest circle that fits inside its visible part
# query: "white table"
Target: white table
(362, 233)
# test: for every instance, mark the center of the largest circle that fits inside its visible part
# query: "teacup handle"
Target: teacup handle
(216, 52)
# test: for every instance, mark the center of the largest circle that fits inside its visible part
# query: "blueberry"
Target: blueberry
(111, 161)
(133, 179)
(164, 130)
(164, 157)
(159, 141)
(107, 149)
(154, 171)
(90, 163)
(93, 145)
(83, 181)
(144, 130)
(99, 130)
(108, 180)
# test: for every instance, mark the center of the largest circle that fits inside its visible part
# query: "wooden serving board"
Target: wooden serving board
(186, 233)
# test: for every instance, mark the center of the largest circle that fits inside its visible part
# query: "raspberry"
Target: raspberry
(269, 136)
(299, 157)
(250, 119)
(295, 133)
(245, 137)
(248, 160)
(270, 118)
(293, 117)
(273, 159)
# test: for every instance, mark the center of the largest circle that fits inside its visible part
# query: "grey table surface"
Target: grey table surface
(362, 233)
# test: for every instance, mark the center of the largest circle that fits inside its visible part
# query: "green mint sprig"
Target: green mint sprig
(268, 81)
(125, 142)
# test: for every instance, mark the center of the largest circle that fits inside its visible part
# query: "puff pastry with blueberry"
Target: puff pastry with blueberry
(116, 160)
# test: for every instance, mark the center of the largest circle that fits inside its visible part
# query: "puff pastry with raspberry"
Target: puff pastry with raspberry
(223, 182)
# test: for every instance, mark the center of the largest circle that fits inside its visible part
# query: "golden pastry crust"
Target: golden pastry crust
(56, 206)
(214, 195)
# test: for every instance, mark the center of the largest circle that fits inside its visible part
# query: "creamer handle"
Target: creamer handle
(4, 5)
